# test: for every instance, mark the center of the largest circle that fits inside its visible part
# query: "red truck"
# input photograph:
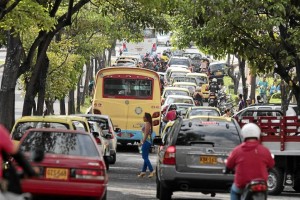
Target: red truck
(281, 134)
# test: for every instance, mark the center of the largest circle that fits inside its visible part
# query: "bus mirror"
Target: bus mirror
(118, 130)
(155, 122)
(155, 115)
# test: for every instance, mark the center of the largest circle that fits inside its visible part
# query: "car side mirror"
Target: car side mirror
(108, 136)
(157, 141)
(117, 130)
(38, 155)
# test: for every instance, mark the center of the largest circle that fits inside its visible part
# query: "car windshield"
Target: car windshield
(206, 112)
(179, 61)
(176, 92)
(214, 67)
(211, 133)
(174, 74)
(74, 144)
(22, 127)
(179, 100)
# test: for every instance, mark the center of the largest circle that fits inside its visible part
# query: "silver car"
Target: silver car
(193, 154)
(107, 128)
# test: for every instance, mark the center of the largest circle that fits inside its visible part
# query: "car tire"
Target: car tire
(157, 188)
(114, 158)
(106, 160)
(164, 193)
(275, 181)
(105, 196)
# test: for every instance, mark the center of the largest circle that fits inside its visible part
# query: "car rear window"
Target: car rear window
(22, 127)
(211, 133)
(179, 61)
(103, 123)
(196, 112)
(175, 92)
(60, 143)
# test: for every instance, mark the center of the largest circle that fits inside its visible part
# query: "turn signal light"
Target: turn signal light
(155, 115)
(155, 123)
(97, 112)
(259, 188)
(169, 157)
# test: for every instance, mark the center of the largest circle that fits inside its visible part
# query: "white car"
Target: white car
(177, 99)
(107, 128)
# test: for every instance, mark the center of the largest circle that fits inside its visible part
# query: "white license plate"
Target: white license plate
(125, 135)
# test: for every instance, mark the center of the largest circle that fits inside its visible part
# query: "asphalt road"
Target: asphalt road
(124, 183)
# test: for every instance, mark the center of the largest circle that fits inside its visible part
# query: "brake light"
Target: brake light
(97, 112)
(169, 157)
(98, 140)
(155, 115)
(89, 174)
(259, 188)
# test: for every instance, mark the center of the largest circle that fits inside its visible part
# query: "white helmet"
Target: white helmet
(251, 130)
(214, 80)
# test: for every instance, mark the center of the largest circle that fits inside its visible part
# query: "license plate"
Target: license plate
(208, 160)
(219, 73)
(125, 135)
(57, 173)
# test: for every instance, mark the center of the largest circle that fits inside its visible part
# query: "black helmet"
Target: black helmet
(173, 107)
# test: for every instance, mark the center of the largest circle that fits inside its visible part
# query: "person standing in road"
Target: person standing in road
(263, 86)
(241, 102)
(146, 145)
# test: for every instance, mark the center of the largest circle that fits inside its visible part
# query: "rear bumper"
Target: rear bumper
(61, 188)
(202, 182)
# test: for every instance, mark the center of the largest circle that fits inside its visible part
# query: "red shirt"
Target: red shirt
(5, 144)
(171, 115)
(251, 160)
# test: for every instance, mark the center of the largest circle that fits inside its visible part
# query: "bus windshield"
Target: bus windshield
(127, 88)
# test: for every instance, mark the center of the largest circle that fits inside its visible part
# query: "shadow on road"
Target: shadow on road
(128, 148)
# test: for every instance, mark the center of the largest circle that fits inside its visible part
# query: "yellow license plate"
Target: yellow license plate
(57, 173)
(219, 73)
(208, 160)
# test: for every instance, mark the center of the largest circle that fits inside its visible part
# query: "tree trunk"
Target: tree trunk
(253, 88)
(242, 65)
(109, 57)
(32, 87)
(62, 106)
(42, 88)
(71, 103)
(9, 79)
(49, 107)
(86, 82)
(78, 96)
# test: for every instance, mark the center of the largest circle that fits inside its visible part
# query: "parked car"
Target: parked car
(107, 127)
(202, 111)
(193, 156)
(73, 165)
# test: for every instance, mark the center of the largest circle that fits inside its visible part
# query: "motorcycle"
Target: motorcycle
(256, 189)
(212, 99)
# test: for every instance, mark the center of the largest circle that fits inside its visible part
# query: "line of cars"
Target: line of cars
(78, 151)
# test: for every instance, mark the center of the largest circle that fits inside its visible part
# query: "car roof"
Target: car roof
(205, 107)
(180, 57)
(185, 83)
(176, 88)
(93, 115)
(180, 69)
(178, 66)
(211, 118)
(197, 74)
(53, 118)
(179, 96)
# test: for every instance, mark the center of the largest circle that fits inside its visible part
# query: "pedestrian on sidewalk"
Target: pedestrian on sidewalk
(241, 102)
(263, 86)
(146, 145)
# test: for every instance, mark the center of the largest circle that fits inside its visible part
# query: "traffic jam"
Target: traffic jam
(177, 103)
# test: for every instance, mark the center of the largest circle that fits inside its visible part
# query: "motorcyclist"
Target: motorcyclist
(10, 176)
(171, 114)
(250, 160)
(198, 96)
(214, 87)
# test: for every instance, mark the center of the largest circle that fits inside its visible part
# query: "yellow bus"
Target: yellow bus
(125, 94)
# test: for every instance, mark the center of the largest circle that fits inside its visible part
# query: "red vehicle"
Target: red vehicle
(73, 165)
(280, 134)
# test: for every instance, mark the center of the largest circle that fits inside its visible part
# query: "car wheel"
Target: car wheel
(157, 189)
(164, 193)
(275, 181)
(106, 160)
(114, 158)
(105, 196)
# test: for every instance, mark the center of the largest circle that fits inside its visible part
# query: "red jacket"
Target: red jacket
(251, 160)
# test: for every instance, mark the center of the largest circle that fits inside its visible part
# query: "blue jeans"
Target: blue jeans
(145, 154)
(235, 192)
